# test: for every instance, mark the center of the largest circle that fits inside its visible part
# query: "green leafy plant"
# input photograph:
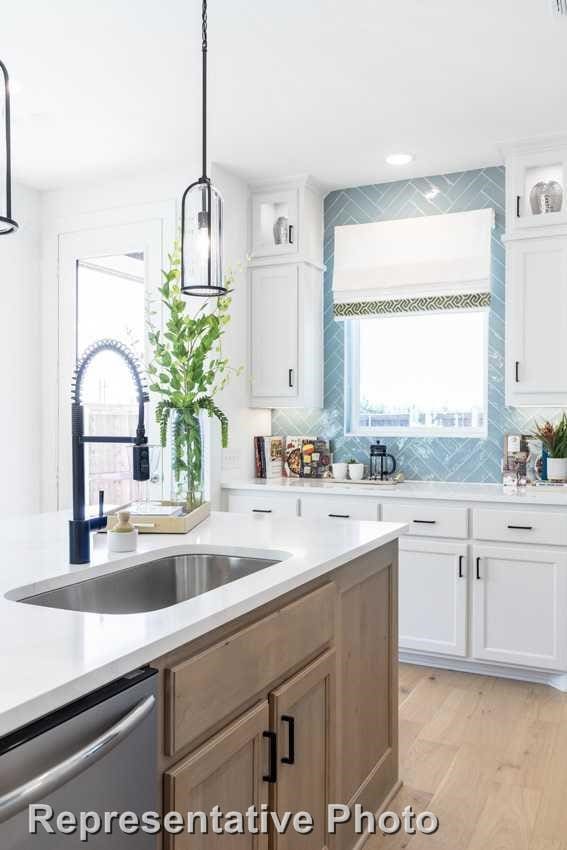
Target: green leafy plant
(352, 460)
(187, 371)
(553, 437)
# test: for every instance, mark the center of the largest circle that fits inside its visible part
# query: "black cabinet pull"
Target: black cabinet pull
(291, 234)
(517, 206)
(425, 521)
(478, 568)
(522, 527)
(340, 516)
(290, 758)
(272, 775)
(517, 371)
(290, 378)
(261, 510)
(461, 557)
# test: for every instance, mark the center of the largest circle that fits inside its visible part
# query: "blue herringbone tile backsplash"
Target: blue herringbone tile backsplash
(435, 458)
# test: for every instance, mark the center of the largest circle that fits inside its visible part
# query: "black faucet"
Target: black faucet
(81, 527)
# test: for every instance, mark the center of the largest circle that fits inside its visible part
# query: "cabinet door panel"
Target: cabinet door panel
(520, 605)
(537, 334)
(275, 331)
(433, 597)
(302, 712)
(227, 772)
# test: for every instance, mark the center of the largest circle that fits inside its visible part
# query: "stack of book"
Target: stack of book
(269, 456)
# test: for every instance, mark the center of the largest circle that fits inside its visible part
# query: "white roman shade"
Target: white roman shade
(412, 265)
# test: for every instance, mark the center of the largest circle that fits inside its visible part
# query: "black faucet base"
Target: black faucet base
(80, 538)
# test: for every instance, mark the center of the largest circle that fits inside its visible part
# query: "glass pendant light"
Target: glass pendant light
(201, 218)
(7, 223)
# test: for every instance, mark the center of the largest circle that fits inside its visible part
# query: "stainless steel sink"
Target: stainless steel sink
(149, 587)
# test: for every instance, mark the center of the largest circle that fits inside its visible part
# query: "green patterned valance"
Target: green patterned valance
(425, 304)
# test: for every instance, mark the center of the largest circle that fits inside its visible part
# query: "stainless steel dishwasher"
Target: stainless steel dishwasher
(98, 754)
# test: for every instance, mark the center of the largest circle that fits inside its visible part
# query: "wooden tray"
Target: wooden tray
(152, 524)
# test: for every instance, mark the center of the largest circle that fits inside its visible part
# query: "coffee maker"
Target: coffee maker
(382, 465)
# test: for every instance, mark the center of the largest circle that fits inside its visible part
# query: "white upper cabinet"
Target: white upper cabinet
(536, 321)
(536, 179)
(286, 220)
(286, 294)
(286, 340)
(275, 331)
(536, 272)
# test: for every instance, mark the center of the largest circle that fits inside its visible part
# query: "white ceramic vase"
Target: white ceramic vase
(356, 471)
(557, 468)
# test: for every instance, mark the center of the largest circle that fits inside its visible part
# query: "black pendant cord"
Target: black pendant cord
(201, 275)
(204, 48)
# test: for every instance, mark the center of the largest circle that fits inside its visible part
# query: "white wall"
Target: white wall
(20, 356)
(96, 205)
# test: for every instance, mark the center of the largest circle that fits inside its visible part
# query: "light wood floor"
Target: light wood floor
(488, 756)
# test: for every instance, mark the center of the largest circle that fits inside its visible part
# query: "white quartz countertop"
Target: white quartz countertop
(440, 490)
(49, 657)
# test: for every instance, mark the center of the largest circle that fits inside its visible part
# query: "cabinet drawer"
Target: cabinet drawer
(263, 503)
(339, 507)
(210, 687)
(510, 526)
(428, 520)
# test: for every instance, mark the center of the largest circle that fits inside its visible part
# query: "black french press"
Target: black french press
(379, 462)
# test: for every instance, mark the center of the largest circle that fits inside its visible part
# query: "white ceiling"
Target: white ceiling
(111, 87)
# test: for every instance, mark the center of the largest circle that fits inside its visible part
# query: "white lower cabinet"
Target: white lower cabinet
(520, 606)
(502, 602)
(433, 596)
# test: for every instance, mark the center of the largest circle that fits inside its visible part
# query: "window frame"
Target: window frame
(352, 390)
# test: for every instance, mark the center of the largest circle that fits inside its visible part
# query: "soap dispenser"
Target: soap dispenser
(124, 536)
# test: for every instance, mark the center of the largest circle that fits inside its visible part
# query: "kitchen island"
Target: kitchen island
(280, 687)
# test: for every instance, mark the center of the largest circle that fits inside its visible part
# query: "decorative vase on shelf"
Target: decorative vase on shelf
(557, 469)
(186, 458)
(281, 231)
(546, 197)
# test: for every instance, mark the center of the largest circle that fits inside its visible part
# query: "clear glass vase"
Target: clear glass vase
(186, 447)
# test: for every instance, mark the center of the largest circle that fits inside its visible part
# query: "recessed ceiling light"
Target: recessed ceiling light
(399, 158)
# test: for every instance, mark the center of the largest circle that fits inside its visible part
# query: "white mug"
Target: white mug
(340, 471)
(356, 471)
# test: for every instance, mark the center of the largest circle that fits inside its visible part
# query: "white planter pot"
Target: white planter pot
(356, 471)
(340, 471)
(557, 468)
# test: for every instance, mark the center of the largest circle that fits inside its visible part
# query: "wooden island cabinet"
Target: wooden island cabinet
(290, 708)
